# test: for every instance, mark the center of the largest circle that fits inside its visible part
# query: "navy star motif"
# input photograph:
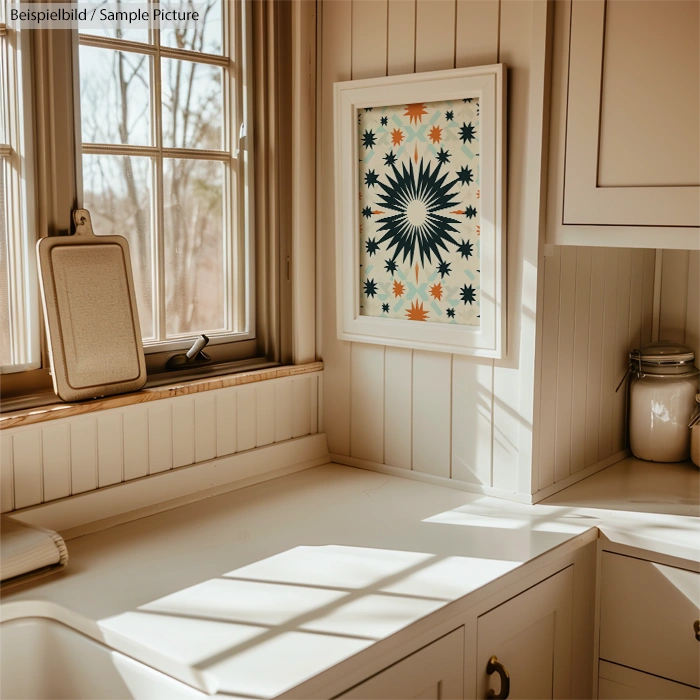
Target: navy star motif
(450, 312)
(368, 139)
(390, 266)
(449, 116)
(465, 249)
(468, 294)
(385, 308)
(444, 269)
(467, 132)
(470, 212)
(370, 288)
(371, 178)
(384, 121)
(367, 212)
(443, 156)
(389, 158)
(465, 175)
(372, 246)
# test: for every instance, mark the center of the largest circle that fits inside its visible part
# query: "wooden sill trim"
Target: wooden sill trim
(65, 410)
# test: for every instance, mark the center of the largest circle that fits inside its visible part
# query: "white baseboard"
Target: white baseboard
(580, 475)
(96, 510)
(430, 479)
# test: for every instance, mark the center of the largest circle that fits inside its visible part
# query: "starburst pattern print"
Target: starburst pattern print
(420, 215)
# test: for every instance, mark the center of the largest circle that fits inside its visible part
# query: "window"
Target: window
(163, 117)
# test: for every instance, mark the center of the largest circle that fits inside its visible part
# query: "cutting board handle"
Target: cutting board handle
(83, 223)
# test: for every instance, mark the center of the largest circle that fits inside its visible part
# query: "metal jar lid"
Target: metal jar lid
(663, 358)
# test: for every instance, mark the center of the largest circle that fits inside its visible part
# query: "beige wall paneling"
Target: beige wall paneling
(183, 431)
(335, 64)
(26, 453)
(7, 496)
(565, 362)
(472, 419)
(247, 417)
(620, 361)
(435, 34)
(109, 448)
(83, 450)
(608, 381)
(265, 410)
(398, 399)
(226, 422)
(369, 38)
(476, 48)
(648, 296)
(303, 393)
(135, 426)
(367, 402)
(548, 389)
(432, 425)
(636, 298)
(160, 437)
(692, 311)
(55, 442)
(204, 426)
(674, 295)
(401, 32)
(283, 411)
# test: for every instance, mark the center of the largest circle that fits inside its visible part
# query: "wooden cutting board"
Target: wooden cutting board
(92, 323)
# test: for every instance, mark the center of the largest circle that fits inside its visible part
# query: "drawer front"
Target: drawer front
(620, 683)
(647, 617)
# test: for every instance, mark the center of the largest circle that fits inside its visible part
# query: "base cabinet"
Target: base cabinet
(530, 636)
(435, 672)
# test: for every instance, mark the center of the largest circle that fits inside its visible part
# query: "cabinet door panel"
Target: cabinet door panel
(435, 672)
(612, 64)
(620, 683)
(531, 636)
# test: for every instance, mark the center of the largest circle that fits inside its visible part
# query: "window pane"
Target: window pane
(192, 104)
(116, 191)
(194, 246)
(115, 29)
(114, 96)
(203, 35)
(5, 340)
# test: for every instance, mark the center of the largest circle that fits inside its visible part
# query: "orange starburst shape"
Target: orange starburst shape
(415, 112)
(436, 291)
(436, 134)
(399, 288)
(396, 137)
(417, 312)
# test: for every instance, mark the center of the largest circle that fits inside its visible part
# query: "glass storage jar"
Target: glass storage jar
(662, 400)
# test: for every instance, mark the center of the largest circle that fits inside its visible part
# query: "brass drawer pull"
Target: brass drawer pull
(495, 666)
(696, 627)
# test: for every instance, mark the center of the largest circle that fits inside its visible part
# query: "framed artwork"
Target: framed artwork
(420, 210)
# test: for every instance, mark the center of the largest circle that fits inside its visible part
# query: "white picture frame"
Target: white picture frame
(486, 85)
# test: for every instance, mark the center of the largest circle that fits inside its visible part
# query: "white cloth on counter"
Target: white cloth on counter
(26, 548)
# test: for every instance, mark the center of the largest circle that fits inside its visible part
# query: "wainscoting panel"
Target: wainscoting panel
(67, 456)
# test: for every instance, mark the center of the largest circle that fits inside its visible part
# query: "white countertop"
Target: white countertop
(299, 573)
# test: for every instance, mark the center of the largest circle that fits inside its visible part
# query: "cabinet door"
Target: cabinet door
(435, 672)
(621, 683)
(626, 123)
(531, 636)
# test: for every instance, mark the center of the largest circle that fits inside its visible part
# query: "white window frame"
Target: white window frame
(237, 125)
(17, 161)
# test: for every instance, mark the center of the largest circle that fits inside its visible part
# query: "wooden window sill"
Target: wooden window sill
(65, 410)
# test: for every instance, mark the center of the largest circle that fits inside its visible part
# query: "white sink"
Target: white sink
(41, 658)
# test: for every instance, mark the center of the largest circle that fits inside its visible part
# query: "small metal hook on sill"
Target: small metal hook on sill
(194, 356)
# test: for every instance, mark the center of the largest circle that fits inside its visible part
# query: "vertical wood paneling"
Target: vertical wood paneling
(204, 427)
(135, 427)
(401, 31)
(648, 296)
(160, 437)
(550, 345)
(313, 413)
(398, 391)
(367, 402)
(109, 448)
(226, 421)
(247, 421)
(369, 38)
(622, 349)
(692, 312)
(265, 414)
(432, 421)
(476, 48)
(83, 449)
(674, 295)
(636, 287)
(26, 453)
(7, 496)
(609, 348)
(183, 431)
(435, 35)
(472, 405)
(565, 363)
(302, 396)
(335, 65)
(55, 443)
(283, 411)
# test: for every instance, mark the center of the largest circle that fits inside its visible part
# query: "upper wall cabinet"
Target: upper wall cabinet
(625, 124)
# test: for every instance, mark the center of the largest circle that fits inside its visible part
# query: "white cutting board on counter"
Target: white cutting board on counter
(92, 323)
